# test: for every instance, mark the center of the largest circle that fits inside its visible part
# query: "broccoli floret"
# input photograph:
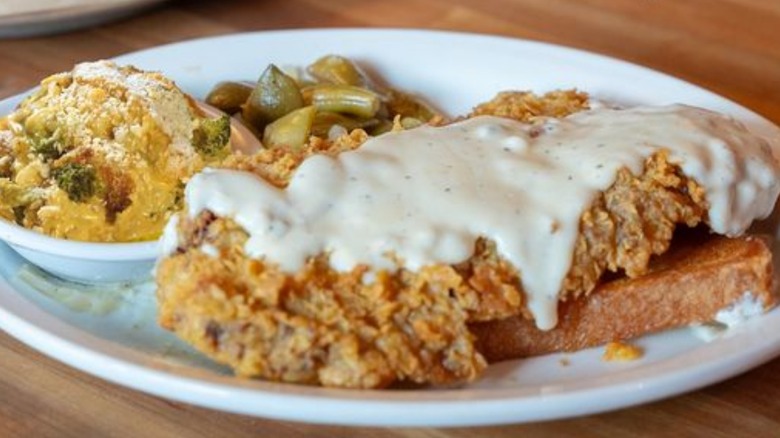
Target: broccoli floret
(43, 139)
(49, 148)
(18, 198)
(211, 137)
(79, 181)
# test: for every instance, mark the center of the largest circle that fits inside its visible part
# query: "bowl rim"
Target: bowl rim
(18, 236)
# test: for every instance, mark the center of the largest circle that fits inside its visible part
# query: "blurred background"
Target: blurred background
(729, 46)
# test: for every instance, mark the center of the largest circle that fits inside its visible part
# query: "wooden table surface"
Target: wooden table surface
(729, 46)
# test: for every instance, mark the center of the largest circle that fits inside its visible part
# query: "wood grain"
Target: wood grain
(729, 46)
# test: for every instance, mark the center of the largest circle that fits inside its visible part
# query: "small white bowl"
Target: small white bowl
(93, 262)
(82, 261)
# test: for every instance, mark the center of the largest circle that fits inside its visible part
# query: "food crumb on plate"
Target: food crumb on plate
(621, 352)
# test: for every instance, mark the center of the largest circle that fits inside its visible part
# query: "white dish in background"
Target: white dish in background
(93, 261)
(125, 346)
(19, 18)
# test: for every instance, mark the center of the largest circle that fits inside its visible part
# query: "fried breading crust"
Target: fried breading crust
(321, 326)
(365, 329)
(525, 105)
(317, 326)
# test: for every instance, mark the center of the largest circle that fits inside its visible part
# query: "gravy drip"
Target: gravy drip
(423, 196)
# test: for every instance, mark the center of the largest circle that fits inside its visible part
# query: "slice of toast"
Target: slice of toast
(700, 276)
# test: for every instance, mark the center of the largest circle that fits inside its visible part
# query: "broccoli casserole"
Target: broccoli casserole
(102, 153)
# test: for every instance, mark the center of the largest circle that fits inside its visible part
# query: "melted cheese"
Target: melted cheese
(424, 196)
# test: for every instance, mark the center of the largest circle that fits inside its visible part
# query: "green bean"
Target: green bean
(336, 69)
(257, 132)
(411, 122)
(406, 105)
(382, 127)
(323, 121)
(229, 96)
(275, 95)
(290, 131)
(345, 99)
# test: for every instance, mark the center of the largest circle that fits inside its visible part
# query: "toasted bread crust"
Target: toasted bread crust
(687, 285)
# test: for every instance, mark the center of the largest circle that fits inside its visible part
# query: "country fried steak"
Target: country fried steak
(369, 329)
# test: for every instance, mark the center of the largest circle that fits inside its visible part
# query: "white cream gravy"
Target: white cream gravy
(426, 194)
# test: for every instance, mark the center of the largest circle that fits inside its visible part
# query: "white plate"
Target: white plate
(20, 18)
(118, 339)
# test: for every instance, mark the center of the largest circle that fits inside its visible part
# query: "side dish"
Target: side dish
(102, 153)
(327, 99)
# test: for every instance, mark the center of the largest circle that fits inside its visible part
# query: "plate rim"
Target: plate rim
(177, 387)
